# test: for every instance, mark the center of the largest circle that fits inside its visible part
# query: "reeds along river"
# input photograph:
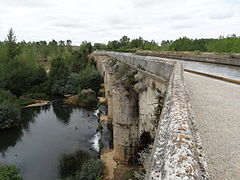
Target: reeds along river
(46, 133)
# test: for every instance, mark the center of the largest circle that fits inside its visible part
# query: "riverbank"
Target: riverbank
(37, 103)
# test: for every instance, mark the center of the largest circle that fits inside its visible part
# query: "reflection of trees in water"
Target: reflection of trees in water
(10, 137)
(63, 112)
(29, 115)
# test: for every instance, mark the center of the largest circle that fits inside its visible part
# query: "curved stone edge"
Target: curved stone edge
(177, 151)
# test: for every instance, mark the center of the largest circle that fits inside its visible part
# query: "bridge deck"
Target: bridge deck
(216, 105)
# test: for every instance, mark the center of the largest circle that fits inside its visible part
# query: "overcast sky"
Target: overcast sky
(104, 20)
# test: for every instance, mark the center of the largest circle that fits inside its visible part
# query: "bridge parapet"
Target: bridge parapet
(177, 151)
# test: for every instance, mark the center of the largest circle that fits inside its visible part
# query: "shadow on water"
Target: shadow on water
(10, 137)
(63, 112)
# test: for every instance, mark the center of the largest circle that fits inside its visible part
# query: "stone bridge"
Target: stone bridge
(151, 105)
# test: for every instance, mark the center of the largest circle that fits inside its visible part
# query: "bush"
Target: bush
(37, 96)
(58, 76)
(10, 114)
(69, 164)
(87, 99)
(91, 170)
(24, 101)
(19, 76)
(9, 173)
(90, 78)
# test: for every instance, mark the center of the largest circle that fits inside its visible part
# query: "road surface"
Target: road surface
(216, 106)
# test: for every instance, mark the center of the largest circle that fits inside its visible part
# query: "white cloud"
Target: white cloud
(101, 21)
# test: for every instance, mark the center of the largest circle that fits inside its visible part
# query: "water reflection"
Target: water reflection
(45, 133)
(9, 139)
(63, 112)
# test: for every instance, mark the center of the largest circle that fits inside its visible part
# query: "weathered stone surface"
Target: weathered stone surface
(125, 124)
(177, 151)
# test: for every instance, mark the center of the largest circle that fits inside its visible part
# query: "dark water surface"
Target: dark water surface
(45, 134)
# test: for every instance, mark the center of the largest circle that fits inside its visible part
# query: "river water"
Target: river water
(45, 134)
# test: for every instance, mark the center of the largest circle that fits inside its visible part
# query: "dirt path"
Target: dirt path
(216, 105)
(110, 164)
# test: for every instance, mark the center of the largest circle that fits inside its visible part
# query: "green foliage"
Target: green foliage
(87, 99)
(19, 76)
(58, 76)
(229, 44)
(69, 164)
(90, 78)
(12, 49)
(10, 114)
(91, 170)
(37, 96)
(99, 46)
(123, 69)
(9, 173)
(80, 165)
(129, 175)
(24, 101)
(100, 127)
(182, 44)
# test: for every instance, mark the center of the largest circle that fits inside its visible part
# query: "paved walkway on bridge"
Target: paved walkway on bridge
(216, 105)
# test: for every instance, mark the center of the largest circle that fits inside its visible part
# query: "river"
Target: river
(46, 133)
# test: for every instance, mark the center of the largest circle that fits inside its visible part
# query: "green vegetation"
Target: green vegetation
(87, 99)
(229, 44)
(23, 73)
(9, 110)
(80, 165)
(90, 78)
(9, 173)
(130, 174)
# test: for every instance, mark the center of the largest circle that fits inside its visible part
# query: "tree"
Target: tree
(124, 42)
(182, 44)
(58, 76)
(69, 45)
(12, 49)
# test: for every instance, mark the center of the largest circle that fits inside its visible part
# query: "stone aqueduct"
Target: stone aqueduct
(177, 151)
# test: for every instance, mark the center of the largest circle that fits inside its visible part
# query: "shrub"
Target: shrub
(91, 170)
(9, 173)
(69, 164)
(10, 114)
(87, 99)
(24, 101)
(89, 78)
(58, 76)
(19, 76)
(37, 96)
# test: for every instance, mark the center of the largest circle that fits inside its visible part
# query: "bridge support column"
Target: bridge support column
(125, 124)
(108, 79)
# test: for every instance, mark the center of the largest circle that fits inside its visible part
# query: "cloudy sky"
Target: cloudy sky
(104, 20)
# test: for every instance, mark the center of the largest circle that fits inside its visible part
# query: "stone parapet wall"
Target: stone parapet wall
(177, 152)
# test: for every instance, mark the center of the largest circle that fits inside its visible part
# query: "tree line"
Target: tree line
(36, 70)
(229, 44)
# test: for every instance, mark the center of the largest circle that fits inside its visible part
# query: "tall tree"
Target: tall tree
(12, 49)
